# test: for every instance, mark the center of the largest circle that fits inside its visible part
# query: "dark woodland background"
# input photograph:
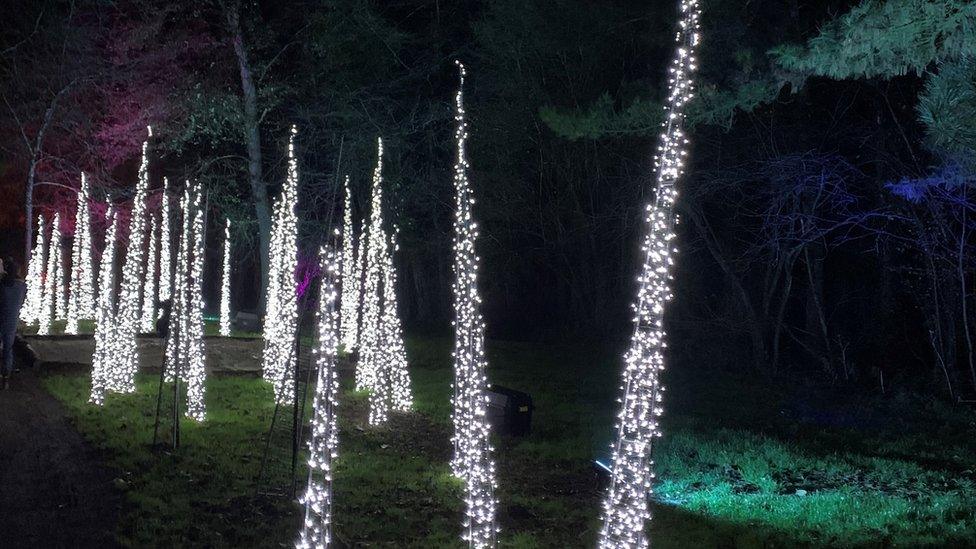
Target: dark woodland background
(825, 222)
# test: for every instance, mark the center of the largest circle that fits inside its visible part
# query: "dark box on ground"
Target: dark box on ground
(246, 321)
(509, 411)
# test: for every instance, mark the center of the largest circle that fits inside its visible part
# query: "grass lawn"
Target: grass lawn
(743, 463)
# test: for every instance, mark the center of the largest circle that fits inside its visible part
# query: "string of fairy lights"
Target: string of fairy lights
(625, 507)
(394, 351)
(50, 300)
(104, 314)
(225, 285)
(81, 297)
(60, 280)
(374, 249)
(382, 367)
(31, 310)
(121, 377)
(323, 443)
(349, 320)
(185, 353)
(147, 320)
(193, 356)
(178, 325)
(472, 460)
(282, 305)
(165, 259)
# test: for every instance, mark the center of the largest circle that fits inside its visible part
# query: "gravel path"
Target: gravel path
(53, 491)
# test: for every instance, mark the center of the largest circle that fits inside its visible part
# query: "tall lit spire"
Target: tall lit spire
(472, 449)
(194, 367)
(126, 363)
(360, 275)
(625, 508)
(165, 257)
(349, 323)
(81, 298)
(281, 318)
(49, 295)
(323, 442)
(31, 310)
(225, 285)
(373, 244)
(147, 321)
(60, 281)
(395, 353)
(184, 344)
(179, 317)
(105, 313)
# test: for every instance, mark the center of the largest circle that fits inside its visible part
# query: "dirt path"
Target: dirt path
(53, 491)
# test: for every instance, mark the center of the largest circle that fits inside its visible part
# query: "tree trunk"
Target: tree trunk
(753, 324)
(816, 316)
(35, 158)
(259, 191)
(964, 293)
(776, 330)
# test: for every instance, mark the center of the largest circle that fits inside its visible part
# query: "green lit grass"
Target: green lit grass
(743, 463)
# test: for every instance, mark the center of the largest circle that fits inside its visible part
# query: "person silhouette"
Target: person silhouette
(13, 290)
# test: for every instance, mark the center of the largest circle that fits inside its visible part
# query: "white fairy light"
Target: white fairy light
(391, 381)
(185, 355)
(382, 368)
(360, 274)
(225, 285)
(60, 280)
(349, 323)
(395, 359)
(147, 322)
(281, 318)
(121, 378)
(179, 317)
(165, 259)
(316, 532)
(472, 448)
(53, 307)
(379, 355)
(105, 314)
(49, 295)
(373, 244)
(81, 298)
(195, 368)
(30, 312)
(625, 508)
